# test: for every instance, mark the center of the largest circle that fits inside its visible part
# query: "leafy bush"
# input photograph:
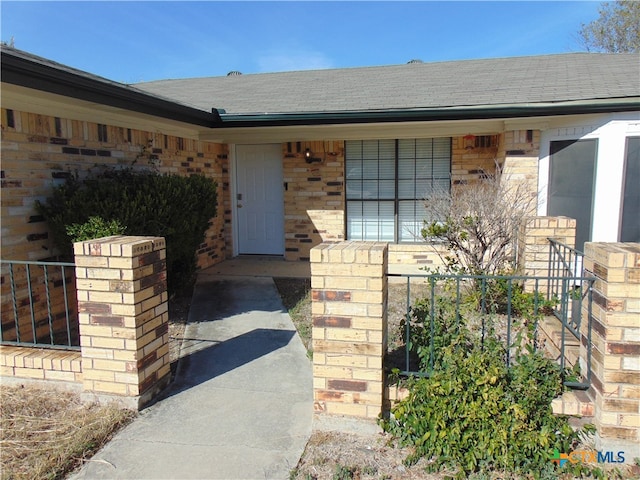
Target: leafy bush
(94, 227)
(145, 203)
(476, 415)
(473, 413)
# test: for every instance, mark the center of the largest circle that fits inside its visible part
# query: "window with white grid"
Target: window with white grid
(386, 184)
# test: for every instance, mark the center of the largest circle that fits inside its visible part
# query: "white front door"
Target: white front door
(260, 199)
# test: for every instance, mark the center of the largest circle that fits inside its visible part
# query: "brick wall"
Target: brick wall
(349, 303)
(615, 344)
(533, 242)
(314, 196)
(315, 200)
(123, 316)
(40, 151)
(519, 153)
(468, 165)
(42, 303)
(20, 364)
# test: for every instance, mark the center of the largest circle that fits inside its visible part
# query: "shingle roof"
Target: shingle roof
(490, 82)
(28, 70)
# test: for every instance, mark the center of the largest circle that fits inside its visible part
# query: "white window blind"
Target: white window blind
(387, 182)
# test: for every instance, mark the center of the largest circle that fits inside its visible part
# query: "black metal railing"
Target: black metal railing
(567, 262)
(39, 305)
(566, 267)
(508, 307)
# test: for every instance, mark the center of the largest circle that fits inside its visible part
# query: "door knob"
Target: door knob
(239, 206)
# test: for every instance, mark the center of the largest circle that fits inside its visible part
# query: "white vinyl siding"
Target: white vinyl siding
(387, 182)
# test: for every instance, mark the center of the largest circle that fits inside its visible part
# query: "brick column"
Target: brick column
(349, 327)
(519, 154)
(616, 344)
(533, 243)
(123, 314)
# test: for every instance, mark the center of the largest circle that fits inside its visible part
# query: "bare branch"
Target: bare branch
(479, 221)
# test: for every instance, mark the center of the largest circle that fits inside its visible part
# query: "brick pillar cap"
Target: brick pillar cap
(119, 246)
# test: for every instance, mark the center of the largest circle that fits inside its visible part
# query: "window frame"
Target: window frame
(397, 197)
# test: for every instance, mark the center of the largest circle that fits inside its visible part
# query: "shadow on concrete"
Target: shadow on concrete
(210, 359)
(219, 299)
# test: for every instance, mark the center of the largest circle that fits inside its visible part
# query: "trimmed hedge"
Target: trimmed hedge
(144, 203)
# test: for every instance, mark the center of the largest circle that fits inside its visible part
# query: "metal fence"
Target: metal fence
(566, 262)
(508, 307)
(39, 306)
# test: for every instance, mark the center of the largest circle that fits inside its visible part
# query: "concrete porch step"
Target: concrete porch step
(574, 403)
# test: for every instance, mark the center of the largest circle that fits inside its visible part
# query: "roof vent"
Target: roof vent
(233, 73)
(415, 60)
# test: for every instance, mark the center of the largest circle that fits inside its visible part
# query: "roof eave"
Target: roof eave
(25, 72)
(475, 112)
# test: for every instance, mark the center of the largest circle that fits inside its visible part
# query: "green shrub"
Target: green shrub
(473, 413)
(94, 227)
(146, 203)
(476, 415)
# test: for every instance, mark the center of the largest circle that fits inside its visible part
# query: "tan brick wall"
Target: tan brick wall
(38, 300)
(518, 154)
(123, 313)
(22, 363)
(471, 165)
(415, 258)
(615, 343)
(349, 303)
(533, 242)
(40, 151)
(314, 196)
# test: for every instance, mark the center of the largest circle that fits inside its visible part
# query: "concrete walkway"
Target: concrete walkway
(241, 406)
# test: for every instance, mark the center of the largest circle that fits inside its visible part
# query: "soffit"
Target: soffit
(36, 101)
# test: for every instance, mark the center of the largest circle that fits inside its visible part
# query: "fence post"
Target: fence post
(123, 315)
(616, 344)
(349, 307)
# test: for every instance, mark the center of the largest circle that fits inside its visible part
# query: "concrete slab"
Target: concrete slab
(260, 266)
(241, 406)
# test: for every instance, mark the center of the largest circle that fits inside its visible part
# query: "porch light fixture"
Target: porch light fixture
(309, 158)
(469, 142)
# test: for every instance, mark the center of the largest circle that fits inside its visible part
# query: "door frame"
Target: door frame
(233, 188)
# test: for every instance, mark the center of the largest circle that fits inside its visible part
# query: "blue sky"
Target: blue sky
(141, 41)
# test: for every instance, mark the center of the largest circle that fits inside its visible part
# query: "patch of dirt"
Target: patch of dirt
(335, 455)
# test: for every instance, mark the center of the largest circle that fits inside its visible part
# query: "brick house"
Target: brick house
(306, 157)
(311, 156)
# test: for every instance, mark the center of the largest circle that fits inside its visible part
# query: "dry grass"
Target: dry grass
(333, 455)
(46, 433)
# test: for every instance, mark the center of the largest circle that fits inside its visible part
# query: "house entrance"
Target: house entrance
(259, 200)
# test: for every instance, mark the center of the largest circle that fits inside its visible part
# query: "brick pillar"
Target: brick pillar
(122, 304)
(519, 155)
(616, 344)
(349, 327)
(533, 243)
